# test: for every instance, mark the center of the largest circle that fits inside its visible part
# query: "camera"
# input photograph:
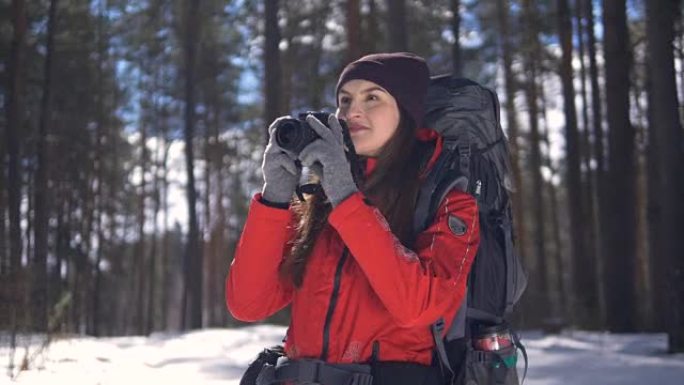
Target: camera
(295, 134)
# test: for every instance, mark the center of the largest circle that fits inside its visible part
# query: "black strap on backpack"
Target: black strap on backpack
(437, 333)
(446, 174)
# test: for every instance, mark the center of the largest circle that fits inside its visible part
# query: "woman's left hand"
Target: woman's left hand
(328, 151)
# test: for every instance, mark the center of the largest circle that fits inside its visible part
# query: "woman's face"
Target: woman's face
(372, 115)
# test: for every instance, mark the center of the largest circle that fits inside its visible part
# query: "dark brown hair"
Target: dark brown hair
(392, 188)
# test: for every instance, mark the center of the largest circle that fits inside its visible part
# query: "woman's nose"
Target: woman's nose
(353, 111)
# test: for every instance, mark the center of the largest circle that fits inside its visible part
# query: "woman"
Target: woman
(364, 289)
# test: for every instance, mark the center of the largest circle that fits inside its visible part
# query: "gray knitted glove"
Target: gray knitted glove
(328, 151)
(281, 174)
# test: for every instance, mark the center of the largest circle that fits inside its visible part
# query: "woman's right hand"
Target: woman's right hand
(281, 173)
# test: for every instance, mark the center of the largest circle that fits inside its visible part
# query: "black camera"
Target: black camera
(295, 134)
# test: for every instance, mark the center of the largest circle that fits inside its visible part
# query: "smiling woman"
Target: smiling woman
(364, 288)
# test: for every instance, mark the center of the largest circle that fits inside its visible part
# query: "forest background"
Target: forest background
(131, 136)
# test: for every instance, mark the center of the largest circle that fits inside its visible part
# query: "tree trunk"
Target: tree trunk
(579, 21)
(512, 119)
(588, 185)
(220, 230)
(668, 264)
(354, 31)
(621, 227)
(152, 268)
(559, 307)
(372, 33)
(72, 261)
(272, 71)
(212, 249)
(680, 55)
(86, 234)
(27, 219)
(456, 55)
(600, 215)
(220, 226)
(40, 221)
(193, 254)
(596, 102)
(316, 81)
(113, 326)
(530, 62)
(95, 328)
(210, 252)
(398, 38)
(166, 274)
(4, 256)
(642, 282)
(207, 252)
(140, 249)
(13, 108)
(56, 281)
(583, 262)
(165, 249)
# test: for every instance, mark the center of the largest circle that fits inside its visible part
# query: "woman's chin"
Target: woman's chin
(361, 151)
(359, 147)
(363, 147)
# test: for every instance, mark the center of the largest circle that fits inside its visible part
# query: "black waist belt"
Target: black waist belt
(307, 371)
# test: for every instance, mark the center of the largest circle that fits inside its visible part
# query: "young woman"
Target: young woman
(363, 288)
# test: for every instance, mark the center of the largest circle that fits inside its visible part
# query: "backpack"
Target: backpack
(475, 159)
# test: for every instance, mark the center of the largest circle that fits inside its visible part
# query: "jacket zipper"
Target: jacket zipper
(333, 303)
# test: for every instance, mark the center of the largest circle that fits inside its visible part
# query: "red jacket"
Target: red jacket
(377, 292)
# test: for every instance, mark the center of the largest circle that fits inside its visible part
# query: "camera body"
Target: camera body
(295, 134)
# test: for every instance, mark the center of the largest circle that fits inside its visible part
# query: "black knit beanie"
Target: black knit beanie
(404, 75)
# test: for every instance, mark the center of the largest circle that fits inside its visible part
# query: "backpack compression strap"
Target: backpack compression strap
(437, 332)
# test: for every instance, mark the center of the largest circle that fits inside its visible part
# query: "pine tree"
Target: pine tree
(39, 269)
(619, 241)
(583, 262)
(531, 59)
(668, 154)
(193, 254)
(511, 88)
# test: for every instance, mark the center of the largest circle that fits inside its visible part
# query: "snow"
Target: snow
(219, 356)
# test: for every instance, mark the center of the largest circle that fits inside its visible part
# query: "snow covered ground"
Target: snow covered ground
(219, 356)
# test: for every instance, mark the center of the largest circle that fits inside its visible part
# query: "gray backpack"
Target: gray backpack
(475, 159)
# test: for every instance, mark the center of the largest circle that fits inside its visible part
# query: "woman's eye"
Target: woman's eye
(344, 101)
(373, 97)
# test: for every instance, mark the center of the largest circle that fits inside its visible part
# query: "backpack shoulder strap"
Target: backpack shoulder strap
(445, 175)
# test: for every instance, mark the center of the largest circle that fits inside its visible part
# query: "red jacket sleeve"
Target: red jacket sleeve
(417, 287)
(254, 290)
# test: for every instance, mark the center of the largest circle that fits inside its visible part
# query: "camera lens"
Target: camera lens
(288, 134)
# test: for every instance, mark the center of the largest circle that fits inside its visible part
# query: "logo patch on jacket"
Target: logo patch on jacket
(457, 225)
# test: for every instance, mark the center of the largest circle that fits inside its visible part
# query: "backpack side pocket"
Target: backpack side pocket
(491, 368)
